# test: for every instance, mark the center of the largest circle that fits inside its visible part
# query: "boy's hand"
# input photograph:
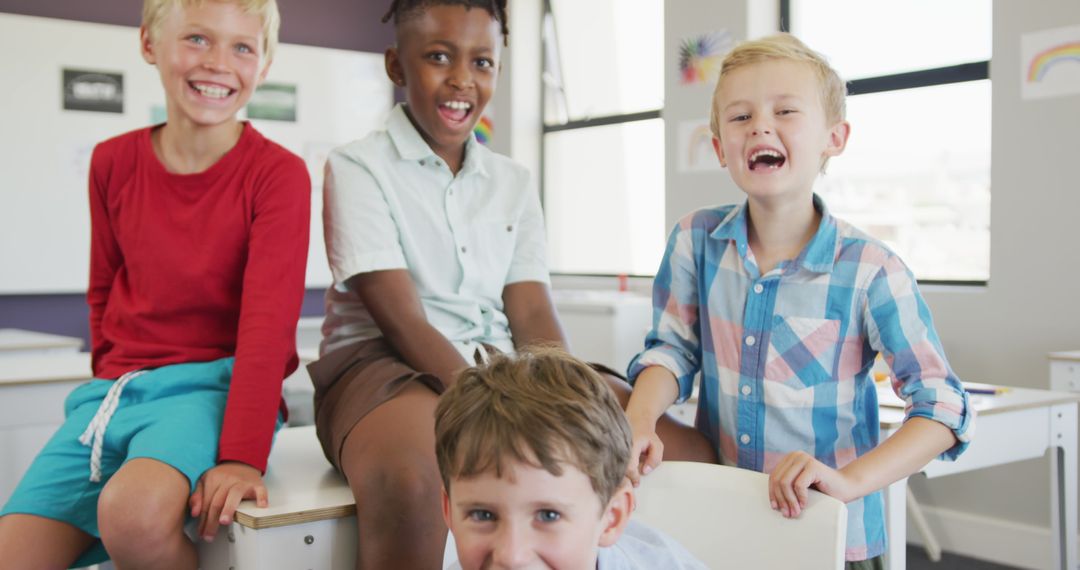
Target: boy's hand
(220, 490)
(646, 450)
(790, 481)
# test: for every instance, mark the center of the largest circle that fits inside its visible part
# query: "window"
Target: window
(603, 138)
(916, 172)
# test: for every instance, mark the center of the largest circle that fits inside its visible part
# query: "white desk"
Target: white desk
(18, 342)
(32, 392)
(310, 523)
(1017, 425)
(311, 520)
(1065, 371)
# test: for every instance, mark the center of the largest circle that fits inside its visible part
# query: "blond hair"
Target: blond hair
(541, 407)
(155, 11)
(784, 47)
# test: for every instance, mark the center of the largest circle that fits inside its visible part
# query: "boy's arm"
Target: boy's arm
(654, 391)
(105, 254)
(272, 293)
(393, 302)
(939, 417)
(898, 324)
(674, 341)
(664, 372)
(917, 442)
(532, 315)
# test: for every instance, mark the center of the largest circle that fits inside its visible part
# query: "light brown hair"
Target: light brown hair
(541, 407)
(784, 47)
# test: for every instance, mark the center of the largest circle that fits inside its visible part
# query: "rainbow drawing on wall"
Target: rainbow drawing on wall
(484, 129)
(700, 147)
(1050, 63)
(694, 150)
(1043, 61)
(700, 57)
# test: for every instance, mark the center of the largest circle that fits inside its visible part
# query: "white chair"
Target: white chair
(722, 516)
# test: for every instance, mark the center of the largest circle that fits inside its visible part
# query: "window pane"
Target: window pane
(868, 39)
(604, 198)
(610, 57)
(916, 174)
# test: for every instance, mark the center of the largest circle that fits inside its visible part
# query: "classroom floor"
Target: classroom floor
(917, 560)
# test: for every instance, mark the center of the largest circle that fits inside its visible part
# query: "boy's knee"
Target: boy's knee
(398, 485)
(145, 515)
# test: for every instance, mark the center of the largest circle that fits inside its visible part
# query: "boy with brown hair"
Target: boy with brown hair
(533, 450)
(199, 231)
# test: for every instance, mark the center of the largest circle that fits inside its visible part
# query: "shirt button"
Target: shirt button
(758, 288)
(746, 390)
(451, 191)
(744, 438)
(462, 249)
(750, 340)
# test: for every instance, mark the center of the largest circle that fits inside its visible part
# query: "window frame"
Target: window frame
(569, 125)
(930, 77)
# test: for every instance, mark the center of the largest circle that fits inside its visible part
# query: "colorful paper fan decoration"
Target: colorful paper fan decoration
(483, 130)
(1042, 62)
(700, 57)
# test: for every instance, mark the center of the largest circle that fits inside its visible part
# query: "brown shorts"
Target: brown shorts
(352, 381)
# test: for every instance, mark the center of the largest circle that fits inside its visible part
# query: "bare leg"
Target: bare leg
(141, 515)
(681, 442)
(30, 541)
(389, 461)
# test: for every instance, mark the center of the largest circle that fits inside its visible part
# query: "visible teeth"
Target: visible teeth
(213, 91)
(765, 152)
(458, 105)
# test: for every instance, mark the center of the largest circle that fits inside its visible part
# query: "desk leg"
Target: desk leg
(896, 525)
(1063, 474)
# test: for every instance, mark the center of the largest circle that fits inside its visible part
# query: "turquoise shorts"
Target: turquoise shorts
(172, 414)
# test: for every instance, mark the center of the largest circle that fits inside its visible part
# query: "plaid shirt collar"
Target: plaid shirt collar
(817, 257)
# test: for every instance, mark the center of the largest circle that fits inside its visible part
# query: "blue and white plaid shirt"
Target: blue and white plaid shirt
(785, 358)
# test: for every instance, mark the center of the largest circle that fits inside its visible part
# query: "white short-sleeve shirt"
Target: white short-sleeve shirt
(389, 202)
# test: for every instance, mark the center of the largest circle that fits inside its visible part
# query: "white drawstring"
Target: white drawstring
(94, 435)
(481, 356)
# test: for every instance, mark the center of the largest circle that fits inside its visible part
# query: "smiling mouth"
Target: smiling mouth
(211, 91)
(455, 111)
(766, 159)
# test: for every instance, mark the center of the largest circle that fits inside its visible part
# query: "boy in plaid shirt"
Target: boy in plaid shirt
(782, 308)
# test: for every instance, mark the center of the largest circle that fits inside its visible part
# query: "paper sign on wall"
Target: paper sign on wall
(694, 146)
(1050, 63)
(97, 91)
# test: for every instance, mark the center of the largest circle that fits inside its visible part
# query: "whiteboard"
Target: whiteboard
(45, 151)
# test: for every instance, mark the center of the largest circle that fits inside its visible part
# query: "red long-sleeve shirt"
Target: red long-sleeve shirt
(197, 267)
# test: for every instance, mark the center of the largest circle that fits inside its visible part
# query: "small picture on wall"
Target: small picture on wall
(273, 102)
(96, 91)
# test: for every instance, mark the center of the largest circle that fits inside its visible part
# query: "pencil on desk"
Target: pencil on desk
(987, 389)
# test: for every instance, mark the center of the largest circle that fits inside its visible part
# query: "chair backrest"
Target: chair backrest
(722, 516)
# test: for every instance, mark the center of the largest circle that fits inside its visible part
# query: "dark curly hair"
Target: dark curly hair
(402, 9)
